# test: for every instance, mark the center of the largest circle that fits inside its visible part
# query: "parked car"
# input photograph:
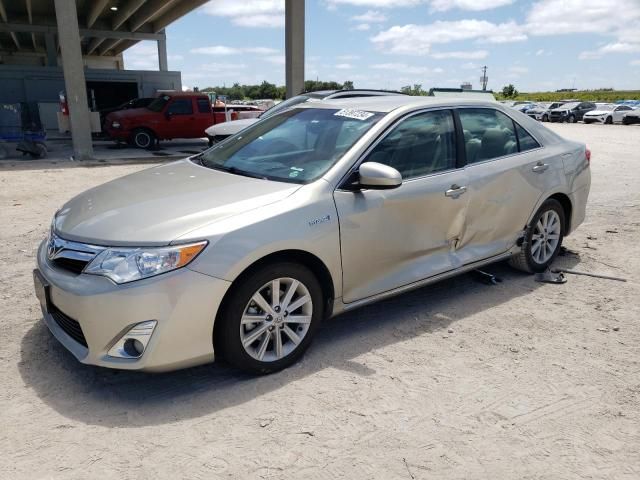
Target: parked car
(571, 112)
(541, 110)
(170, 115)
(631, 117)
(242, 250)
(607, 113)
(219, 132)
(133, 103)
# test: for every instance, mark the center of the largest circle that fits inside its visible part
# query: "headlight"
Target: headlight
(124, 265)
(115, 124)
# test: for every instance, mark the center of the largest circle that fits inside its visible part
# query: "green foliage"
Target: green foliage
(509, 91)
(600, 95)
(416, 90)
(270, 90)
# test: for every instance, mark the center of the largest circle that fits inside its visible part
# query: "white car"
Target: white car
(607, 113)
(220, 131)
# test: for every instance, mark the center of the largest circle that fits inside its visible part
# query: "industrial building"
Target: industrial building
(76, 46)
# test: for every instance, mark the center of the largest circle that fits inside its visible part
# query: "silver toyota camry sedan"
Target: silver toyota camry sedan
(241, 251)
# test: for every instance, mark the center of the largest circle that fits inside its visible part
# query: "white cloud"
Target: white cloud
(635, 63)
(518, 70)
(344, 66)
(470, 66)
(214, 67)
(405, 68)
(418, 39)
(551, 17)
(370, 16)
(375, 3)
(540, 52)
(225, 50)
(470, 55)
(477, 5)
(275, 59)
(618, 47)
(435, 5)
(348, 57)
(249, 13)
(363, 27)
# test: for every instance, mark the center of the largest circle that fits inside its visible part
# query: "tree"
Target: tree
(348, 85)
(416, 90)
(509, 91)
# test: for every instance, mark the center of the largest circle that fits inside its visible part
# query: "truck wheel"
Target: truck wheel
(143, 138)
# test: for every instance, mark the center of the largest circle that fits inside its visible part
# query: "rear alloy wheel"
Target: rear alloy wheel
(609, 121)
(542, 239)
(270, 319)
(143, 138)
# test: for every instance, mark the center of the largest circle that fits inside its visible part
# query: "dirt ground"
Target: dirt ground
(459, 380)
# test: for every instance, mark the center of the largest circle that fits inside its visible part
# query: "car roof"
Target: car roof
(387, 103)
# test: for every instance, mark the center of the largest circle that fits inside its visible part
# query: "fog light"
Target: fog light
(134, 342)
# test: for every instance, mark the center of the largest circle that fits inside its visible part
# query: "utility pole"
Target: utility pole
(484, 79)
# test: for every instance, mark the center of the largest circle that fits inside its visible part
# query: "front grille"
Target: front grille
(68, 325)
(75, 266)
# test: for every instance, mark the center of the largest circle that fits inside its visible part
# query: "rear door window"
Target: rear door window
(525, 140)
(204, 106)
(488, 134)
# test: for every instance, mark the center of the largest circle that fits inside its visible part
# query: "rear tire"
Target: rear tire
(542, 240)
(143, 138)
(572, 119)
(609, 121)
(237, 334)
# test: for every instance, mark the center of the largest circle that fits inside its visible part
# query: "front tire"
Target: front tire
(609, 121)
(143, 138)
(270, 318)
(545, 118)
(542, 240)
(572, 119)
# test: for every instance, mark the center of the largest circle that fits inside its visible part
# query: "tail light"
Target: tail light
(587, 155)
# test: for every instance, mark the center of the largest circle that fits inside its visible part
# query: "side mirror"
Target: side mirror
(377, 176)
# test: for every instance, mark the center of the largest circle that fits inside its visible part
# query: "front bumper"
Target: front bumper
(183, 302)
(587, 119)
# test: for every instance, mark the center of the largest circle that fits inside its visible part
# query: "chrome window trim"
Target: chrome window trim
(384, 135)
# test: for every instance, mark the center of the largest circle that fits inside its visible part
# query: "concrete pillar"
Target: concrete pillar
(52, 53)
(74, 81)
(294, 46)
(162, 52)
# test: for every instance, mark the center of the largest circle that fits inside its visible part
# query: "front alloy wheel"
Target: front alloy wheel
(276, 319)
(269, 318)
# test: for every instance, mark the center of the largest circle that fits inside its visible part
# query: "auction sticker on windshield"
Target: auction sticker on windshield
(355, 114)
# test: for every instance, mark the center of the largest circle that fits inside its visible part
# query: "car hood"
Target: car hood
(598, 112)
(230, 128)
(157, 205)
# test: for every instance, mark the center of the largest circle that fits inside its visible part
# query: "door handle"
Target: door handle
(540, 167)
(455, 191)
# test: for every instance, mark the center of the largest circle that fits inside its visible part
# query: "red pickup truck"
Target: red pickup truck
(170, 115)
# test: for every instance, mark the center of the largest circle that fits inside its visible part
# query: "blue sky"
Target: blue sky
(536, 44)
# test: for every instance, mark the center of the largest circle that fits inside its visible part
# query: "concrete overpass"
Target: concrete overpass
(83, 31)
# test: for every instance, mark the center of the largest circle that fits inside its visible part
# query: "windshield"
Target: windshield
(296, 146)
(283, 106)
(570, 106)
(606, 108)
(158, 104)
